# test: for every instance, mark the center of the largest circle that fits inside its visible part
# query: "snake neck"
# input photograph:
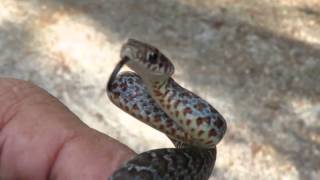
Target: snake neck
(192, 113)
(159, 88)
(167, 93)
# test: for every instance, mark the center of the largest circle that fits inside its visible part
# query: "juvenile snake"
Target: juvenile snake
(153, 97)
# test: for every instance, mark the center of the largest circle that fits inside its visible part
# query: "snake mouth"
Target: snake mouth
(116, 70)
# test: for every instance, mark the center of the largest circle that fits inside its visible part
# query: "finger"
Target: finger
(41, 139)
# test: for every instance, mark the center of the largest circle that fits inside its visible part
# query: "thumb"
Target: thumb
(41, 139)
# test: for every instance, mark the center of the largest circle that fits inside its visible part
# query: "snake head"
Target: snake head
(146, 59)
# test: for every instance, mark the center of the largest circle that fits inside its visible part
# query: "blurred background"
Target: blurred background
(256, 61)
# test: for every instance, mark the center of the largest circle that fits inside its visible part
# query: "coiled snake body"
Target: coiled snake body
(153, 97)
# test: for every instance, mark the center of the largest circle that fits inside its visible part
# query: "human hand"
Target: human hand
(41, 139)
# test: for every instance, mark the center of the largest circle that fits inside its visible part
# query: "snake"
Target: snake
(151, 95)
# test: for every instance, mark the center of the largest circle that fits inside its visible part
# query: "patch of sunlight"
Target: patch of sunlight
(309, 37)
(9, 11)
(74, 40)
(18, 12)
(310, 114)
(241, 159)
(296, 2)
(306, 111)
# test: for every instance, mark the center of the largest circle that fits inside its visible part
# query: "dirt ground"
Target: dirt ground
(256, 61)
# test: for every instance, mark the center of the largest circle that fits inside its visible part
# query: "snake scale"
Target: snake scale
(151, 95)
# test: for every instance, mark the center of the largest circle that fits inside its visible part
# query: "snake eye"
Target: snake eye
(152, 57)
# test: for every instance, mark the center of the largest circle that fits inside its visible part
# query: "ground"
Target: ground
(256, 61)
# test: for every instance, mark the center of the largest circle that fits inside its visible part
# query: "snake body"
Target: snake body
(153, 97)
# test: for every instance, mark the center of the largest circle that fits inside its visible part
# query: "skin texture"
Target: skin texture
(191, 113)
(153, 97)
(184, 162)
(41, 139)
